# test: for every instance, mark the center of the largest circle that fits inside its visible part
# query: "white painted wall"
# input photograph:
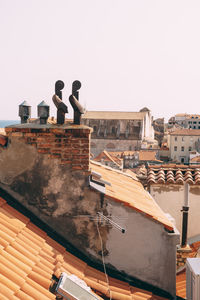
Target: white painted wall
(170, 198)
(147, 251)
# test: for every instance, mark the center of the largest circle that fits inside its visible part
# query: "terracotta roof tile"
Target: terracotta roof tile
(147, 155)
(192, 132)
(173, 174)
(131, 193)
(29, 258)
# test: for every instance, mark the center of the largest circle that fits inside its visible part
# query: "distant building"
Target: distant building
(182, 142)
(186, 120)
(108, 159)
(166, 185)
(119, 131)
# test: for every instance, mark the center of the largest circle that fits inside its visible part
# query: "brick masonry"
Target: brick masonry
(69, 144)
(181, 256)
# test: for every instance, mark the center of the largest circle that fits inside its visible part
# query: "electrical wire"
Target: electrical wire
(103, 261)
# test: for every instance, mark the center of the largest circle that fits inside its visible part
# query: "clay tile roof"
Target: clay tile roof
(147, 155)
(29, 258)
(3, 140)
(195, 159)
(192, 132)
(130, 192)
(174, 174)
(106, 156)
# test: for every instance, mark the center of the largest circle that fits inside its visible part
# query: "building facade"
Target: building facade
(119, 131)
(182, 142)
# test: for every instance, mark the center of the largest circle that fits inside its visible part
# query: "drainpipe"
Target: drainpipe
(185, 210)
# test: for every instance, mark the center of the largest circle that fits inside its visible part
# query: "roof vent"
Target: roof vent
(72, 288)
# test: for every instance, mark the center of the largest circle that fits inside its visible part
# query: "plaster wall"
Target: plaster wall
(171, 198)
(146, 250)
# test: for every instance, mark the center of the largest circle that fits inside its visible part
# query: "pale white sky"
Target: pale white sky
(128, 54)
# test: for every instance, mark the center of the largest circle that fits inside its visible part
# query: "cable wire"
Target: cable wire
(104, 266)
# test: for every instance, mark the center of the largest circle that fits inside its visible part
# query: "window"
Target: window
(194, 122)
(95, 128)
(175, 138)
(182, 148)
(113, 130)
(190, 148)
(199, 127)
(194, 127)
(183, 139)
(175, 148)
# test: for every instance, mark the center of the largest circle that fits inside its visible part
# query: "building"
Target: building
(183, 141)
(46, 169)
(110, 159)
(119, 131)
(166, 185)
(186, 120)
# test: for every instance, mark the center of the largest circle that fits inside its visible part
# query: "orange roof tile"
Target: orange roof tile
(173, 174)
(147, 155)
(107, 157)
(127, 190)
(3, 140)
(29, 258)
(193, 132)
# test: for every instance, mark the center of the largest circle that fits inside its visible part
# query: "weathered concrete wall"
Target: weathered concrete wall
(171, 198)
(146, 250)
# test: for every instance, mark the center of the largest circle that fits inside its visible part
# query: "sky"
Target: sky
(127, 54)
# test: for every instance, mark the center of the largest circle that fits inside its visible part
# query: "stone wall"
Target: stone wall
(99, 145)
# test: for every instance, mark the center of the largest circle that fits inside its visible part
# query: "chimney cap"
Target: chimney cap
(43, 103)
(24, 103)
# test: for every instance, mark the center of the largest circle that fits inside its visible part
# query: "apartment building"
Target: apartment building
(183, 141)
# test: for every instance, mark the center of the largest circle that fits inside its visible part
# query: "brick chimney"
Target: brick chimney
(69, 144)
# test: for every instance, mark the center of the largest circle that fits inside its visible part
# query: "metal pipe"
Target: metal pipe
(185, 210)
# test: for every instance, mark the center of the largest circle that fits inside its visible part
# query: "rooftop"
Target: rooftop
(193, 132)
(173, 174)
(29, 258)
(124, 188)
(114, 115)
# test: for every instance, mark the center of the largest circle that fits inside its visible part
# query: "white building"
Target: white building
(183, 141)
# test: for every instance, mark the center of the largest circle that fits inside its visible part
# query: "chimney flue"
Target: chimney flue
(24, 112)
(185, 210)
(43, 112)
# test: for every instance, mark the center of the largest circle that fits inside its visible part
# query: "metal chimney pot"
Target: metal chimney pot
(43, 112)
(24, 112)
